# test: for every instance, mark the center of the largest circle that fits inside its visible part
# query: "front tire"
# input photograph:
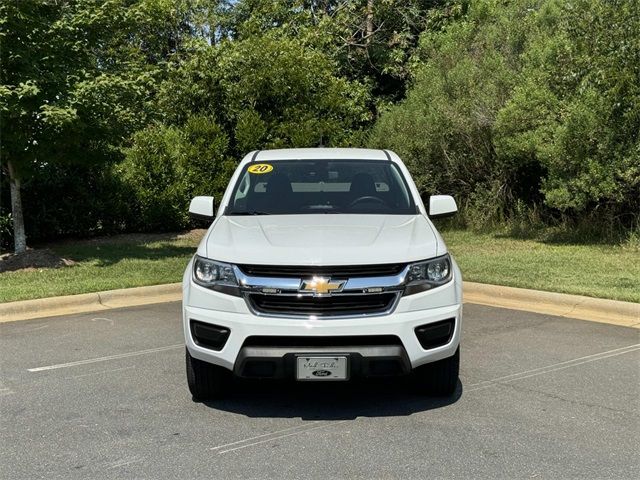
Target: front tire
(439, 378)
(206, 381)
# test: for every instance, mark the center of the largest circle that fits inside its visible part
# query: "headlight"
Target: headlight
(428, 274)
(215, 275)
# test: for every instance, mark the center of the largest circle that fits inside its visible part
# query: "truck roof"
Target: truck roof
(319, 154)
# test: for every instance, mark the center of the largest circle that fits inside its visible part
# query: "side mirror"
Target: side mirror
(442, 206)
(202, 208)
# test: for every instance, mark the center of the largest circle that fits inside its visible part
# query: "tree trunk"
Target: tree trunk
(369, 28)
(19, 237)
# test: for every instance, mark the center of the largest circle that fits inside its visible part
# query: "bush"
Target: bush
(6, 231)
(166, 166)
(444, 129)
(69, 200)
(577, 111)
(265, 92)
(528, 104)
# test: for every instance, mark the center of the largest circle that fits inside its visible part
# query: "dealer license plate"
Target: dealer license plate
(321, 368)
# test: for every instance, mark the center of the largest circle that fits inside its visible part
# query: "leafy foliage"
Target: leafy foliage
(76, 80)
(76, 77)
(528, 103)
(527, 110)
(269, 91)
(587, 132)
(369, 41)
(167, 166)
(221, 101)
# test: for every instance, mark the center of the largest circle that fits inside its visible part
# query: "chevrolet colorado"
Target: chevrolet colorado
(322, 265)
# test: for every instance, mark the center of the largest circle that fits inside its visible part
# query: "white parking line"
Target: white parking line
(6, 391)
(307, 427)
(553, 367)
(252, 444)
(264, 435)
(111, 370)
(104, 359)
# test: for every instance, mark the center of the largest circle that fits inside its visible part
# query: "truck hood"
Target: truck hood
(321, 239)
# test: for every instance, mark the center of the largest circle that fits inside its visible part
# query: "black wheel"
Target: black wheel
(206, 381)
(439, 378)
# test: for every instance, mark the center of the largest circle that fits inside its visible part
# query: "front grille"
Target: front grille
(335, 305)
(345, 271)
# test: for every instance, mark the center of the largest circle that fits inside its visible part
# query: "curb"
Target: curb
(559, 304)
(89, 302)
(614, 312)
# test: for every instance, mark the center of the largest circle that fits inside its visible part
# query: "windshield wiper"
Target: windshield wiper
(250, 212)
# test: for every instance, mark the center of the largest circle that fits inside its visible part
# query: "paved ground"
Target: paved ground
(540, 397)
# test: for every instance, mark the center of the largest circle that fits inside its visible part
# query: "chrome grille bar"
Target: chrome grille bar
(282, 296)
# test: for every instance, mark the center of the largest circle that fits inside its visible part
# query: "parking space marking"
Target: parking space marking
(6, 391)
(553, 367)
(307, 427)
(111, 370)
(105, 359)
(323, 424)
(264, 435)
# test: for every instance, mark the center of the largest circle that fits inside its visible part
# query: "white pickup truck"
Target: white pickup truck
(322, 265)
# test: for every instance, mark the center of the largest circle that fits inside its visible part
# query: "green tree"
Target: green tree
(371, 41)
(463, 75)
(221, 101)
(265, 92)
(75, 80)
(166, 166)
(530, 102)
(577, 107)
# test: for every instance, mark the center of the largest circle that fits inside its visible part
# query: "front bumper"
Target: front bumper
(231, 312)
(280, 362)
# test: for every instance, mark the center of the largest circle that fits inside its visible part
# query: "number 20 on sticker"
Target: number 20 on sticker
(260, 168)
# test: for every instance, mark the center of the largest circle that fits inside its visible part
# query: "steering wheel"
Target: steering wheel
(367, 198)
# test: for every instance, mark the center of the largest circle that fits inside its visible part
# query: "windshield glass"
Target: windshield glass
(286, 187)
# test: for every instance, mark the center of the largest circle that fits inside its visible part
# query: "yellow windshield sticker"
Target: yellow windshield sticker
(260, 168)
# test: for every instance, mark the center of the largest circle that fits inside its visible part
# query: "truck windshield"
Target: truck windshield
(286, 187)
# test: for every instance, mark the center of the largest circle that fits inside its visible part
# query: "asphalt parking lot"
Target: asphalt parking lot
(104, 396)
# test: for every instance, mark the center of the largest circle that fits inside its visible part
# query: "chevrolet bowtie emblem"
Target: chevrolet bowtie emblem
(321, 285)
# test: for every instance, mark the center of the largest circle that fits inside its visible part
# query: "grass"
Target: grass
(595, 270)
(102, 265)
(598, 270)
